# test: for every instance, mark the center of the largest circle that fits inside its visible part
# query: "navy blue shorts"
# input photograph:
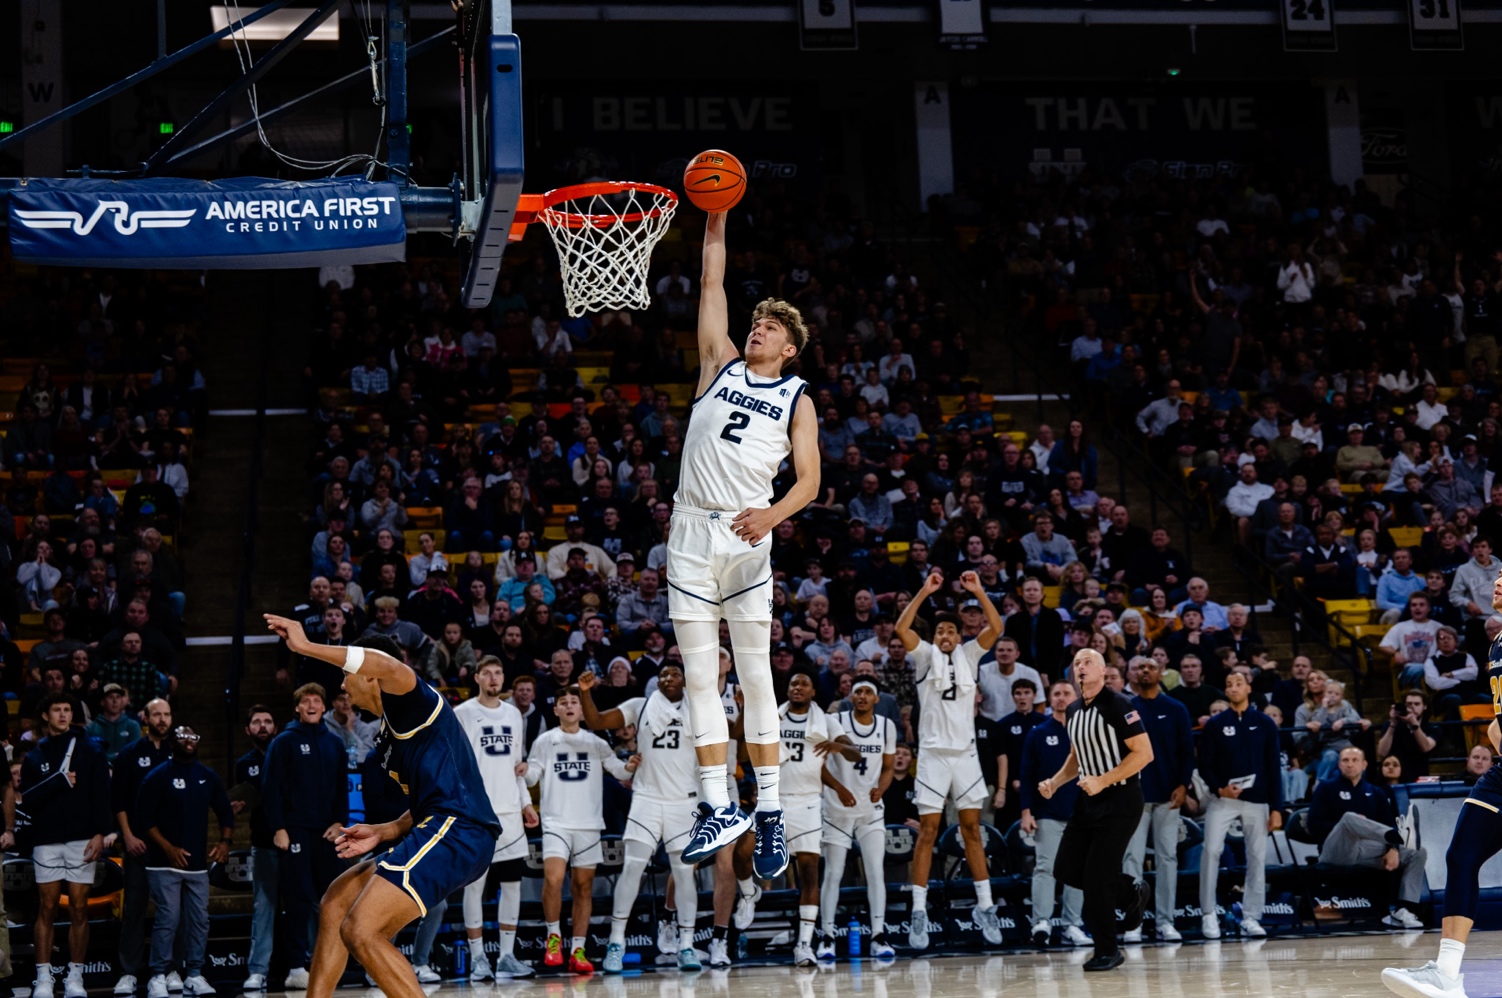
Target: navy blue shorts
(1488, 790)
(441, 854)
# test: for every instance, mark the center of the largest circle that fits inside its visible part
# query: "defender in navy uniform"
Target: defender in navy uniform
(1477, 838)
(443, 841)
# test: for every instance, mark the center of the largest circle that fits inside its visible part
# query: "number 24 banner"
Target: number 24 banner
(1308, 25)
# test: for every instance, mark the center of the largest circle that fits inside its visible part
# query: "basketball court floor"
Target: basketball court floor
(1325, 967)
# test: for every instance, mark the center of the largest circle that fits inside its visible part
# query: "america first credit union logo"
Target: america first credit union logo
(238, 215)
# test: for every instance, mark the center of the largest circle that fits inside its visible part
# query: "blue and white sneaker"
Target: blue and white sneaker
(771, 856)
(714, 829)
(615, 958)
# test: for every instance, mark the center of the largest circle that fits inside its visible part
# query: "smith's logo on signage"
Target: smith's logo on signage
(126, 221)
(1338, 902)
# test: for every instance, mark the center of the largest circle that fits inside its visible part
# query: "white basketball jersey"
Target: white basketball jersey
(946, 695)
(573, 787)
(738, 436)
(802, 767)
(669, 770)
(495, 735)
(875, 741)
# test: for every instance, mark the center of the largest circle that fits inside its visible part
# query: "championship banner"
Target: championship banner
(248, 223)
(962, 23)
(1435, 25)
(1308, 25)
(827, 24)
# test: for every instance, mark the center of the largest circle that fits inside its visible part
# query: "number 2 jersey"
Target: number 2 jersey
(946, 695)
(669, 770)
(802, 767)
(427, 754)
(738, 436)
(495, 738)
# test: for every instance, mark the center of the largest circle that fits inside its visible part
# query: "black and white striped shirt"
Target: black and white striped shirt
(1099, 729)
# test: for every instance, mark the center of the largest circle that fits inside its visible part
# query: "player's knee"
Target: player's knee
(355, 940)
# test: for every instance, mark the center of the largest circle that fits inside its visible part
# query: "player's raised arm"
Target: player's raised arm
(391, 675)
(715, 348)
(904, 627)
(594, 718)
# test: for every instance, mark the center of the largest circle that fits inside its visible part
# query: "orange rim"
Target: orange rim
(546, 204)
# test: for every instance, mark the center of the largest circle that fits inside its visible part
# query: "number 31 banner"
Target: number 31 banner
(1309, 25)
(1434, 25)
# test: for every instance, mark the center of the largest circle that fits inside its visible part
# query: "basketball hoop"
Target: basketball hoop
(604, 233)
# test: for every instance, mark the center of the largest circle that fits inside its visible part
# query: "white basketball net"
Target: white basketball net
(605, 243)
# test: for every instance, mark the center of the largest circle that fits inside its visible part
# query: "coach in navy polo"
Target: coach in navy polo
(1165, 782)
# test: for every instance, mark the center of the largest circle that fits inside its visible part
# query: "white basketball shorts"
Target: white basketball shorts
(712, 573)
(945, 775)
(513, 841)
(802, 822)
(653, 821)
(579, 847)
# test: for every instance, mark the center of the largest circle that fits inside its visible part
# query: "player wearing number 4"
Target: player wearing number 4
(444, 841)
(664, 792)
(747, 417)
(947, 673)
(867, 778)
(1477, 838)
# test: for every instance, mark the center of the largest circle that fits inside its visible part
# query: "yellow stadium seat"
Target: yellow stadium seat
(1474, 733)
(1051, 596)
(554, 532)
(1407, 537)
(897, 552)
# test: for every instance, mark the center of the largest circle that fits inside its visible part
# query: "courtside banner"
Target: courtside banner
(247, 223)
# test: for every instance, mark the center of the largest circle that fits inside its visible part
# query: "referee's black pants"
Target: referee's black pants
(1091, 854)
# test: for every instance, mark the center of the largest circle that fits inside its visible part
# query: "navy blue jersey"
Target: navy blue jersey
(1488, 789)
(428, 754)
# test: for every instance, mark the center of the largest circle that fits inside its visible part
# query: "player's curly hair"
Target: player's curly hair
(790, 318)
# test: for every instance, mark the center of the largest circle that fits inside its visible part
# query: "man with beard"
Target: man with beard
(260, 728)
(172, 806)
(131, 766)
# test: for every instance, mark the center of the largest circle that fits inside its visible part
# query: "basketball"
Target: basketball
(714, 180)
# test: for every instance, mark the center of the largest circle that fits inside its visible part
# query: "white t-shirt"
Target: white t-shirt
(802, 767)
(495, 735)
(875, 741)
(569, 768)
(1410, 641)
(946, 695)
(669, 770)
(996, 688)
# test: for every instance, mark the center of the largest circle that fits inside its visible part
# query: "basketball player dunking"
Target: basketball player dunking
(746, 419)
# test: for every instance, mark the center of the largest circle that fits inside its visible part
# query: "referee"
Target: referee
(1108, 748)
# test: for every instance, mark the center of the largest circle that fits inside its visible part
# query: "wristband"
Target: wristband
(353, 659)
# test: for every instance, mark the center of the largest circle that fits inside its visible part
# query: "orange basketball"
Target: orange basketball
(714, 180)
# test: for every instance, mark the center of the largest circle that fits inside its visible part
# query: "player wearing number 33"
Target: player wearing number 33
(444, 841)
(747, 418)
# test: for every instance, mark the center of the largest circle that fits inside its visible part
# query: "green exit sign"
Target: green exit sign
(6, 127)
(165, 128)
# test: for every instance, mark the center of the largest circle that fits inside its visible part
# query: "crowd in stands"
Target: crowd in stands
(101, 395)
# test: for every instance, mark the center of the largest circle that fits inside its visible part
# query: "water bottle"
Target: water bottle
(1236, 918)
(353, 753)
(461, 958)
(740, 945)
(853, 938)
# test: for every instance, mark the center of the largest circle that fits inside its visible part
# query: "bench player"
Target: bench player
(947, 673)
(495, 731)
(747, 417)
(664, 795)
(569, 762)
(865, 824)
(809, 738)
(444, 841)
(1476, 839)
